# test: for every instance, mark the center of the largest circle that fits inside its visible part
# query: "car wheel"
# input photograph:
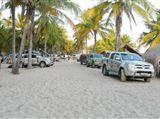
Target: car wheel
(93, 65)
(21, 65)
(87, 64)
(105, 72)
(98, 67)
(122, 75)
(42, 64)
(147, 79)
(81, 63)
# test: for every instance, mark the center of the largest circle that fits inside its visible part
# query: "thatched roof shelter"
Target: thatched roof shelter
(153, 56)
(128, 48)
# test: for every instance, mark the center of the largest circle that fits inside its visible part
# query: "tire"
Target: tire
(98, 67)
(104, 71)
(42, 64)
(87, 64)
(147, 79)
(21, 65)
(93, 65)
(122, 75)
(81, 63)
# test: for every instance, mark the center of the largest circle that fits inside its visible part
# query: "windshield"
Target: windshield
(131, 57)
(98, 56)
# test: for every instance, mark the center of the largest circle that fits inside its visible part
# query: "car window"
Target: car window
(33, 56)
(107, 55)
(98, 55)
(25, 56)
(112, 55)
(131, 57)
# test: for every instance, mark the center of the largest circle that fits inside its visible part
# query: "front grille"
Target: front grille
(142, 66)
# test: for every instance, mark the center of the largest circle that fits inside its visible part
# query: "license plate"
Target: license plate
(144, 74)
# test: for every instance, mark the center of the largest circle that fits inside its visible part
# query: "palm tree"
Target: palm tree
(107, 43)
(44, 7)
(117, 8)
(5, 35)
(25, 30)
(91, 24)
(81, 35)
(50, 33)
(31, 37)
(13, 4)
(152, 38)
(49, 9)
(13, 37)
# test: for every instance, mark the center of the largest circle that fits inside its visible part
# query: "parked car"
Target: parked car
(83, 58)
(94, 60)
(127, 65)
(37, 60)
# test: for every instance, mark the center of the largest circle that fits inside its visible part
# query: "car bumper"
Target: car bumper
(140, 73)
(49, 64)
(97, 63)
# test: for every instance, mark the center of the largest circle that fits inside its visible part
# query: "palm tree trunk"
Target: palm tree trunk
(45, 45)
(23, 40)
(86, 47)
(118, 32)
(31, 39)
(13, 38)
(95, 41)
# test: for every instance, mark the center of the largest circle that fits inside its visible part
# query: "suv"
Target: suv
(83, 58)
(94, 60)
(37, 60)
(127, 65)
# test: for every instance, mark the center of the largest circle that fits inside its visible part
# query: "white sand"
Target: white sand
(69, 90)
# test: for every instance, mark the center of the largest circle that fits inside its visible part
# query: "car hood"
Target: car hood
(138, 62)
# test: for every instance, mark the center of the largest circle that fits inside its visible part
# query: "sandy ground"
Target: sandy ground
(71, 91)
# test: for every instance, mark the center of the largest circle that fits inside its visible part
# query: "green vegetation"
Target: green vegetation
(108, 43)
(45, 32)
(152, 38)
(114, 10)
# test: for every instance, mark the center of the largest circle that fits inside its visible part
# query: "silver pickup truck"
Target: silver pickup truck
(127, 65)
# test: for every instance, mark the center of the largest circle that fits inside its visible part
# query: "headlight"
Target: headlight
(48, 60)
(151, 67)
(131, 66)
